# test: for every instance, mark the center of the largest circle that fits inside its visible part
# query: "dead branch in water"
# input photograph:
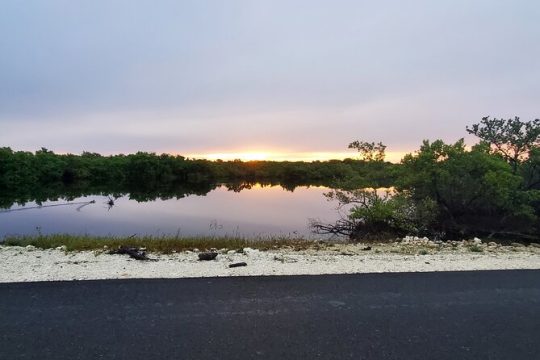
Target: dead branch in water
(82, 204)
(340, 227)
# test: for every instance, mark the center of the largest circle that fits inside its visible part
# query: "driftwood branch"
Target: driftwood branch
(133, 252)
(82, 204)
(340, 227)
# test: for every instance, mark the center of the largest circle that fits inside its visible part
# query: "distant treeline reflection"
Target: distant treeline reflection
(44, 175)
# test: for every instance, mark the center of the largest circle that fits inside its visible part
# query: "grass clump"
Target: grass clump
(162, 244)
(475, 248)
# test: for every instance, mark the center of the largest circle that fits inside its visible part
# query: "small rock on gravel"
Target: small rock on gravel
(237, 264)
(206, 256)
(517, 244)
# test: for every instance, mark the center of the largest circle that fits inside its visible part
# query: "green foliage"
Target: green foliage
(512, 138)
(369, 151)
(531, 170)
(475, 191)
(447, 190)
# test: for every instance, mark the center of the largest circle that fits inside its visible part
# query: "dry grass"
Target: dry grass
(162, 244)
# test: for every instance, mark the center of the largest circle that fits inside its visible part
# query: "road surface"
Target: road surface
(467, 315)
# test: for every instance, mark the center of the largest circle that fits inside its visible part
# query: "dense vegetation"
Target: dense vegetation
(448, 191)
(44, 175)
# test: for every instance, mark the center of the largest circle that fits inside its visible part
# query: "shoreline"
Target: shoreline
(29, 264)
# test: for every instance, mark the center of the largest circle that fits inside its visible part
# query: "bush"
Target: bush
(374, 216)
(493, 189)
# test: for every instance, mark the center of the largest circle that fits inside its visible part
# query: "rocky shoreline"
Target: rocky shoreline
(411, 254)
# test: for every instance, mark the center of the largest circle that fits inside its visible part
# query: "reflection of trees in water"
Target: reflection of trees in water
(57, 192)
(237, 187)
(248, 185)
(286, 185)
(140, 192)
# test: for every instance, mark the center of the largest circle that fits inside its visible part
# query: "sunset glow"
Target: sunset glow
(244, 156)
(287, 156)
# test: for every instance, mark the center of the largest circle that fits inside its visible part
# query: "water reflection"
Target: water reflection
(244, 210)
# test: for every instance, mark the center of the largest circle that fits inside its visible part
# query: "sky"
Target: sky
(277, 79)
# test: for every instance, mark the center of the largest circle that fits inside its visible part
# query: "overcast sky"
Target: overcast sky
(198, 76)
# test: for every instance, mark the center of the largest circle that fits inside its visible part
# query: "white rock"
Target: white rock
(62, 248)
(407, 239)
(285, 259)
(230, 252)
(250, 251)
(477, 241)
(30, 247)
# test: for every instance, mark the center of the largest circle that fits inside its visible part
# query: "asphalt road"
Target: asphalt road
(468, 315)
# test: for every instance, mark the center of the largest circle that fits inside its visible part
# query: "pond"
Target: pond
(259, 211)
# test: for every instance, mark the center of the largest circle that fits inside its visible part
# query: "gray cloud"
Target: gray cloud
(197, 76)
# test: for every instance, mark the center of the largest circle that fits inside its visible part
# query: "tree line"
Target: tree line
(44, 175)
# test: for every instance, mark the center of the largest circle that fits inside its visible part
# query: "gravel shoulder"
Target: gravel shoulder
(20, 264)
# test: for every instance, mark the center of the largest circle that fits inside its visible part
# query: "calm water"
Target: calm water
(259, 211)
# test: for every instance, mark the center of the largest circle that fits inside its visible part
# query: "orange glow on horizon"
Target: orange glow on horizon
(288, 156)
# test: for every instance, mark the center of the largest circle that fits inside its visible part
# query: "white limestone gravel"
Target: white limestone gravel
(19, 264)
